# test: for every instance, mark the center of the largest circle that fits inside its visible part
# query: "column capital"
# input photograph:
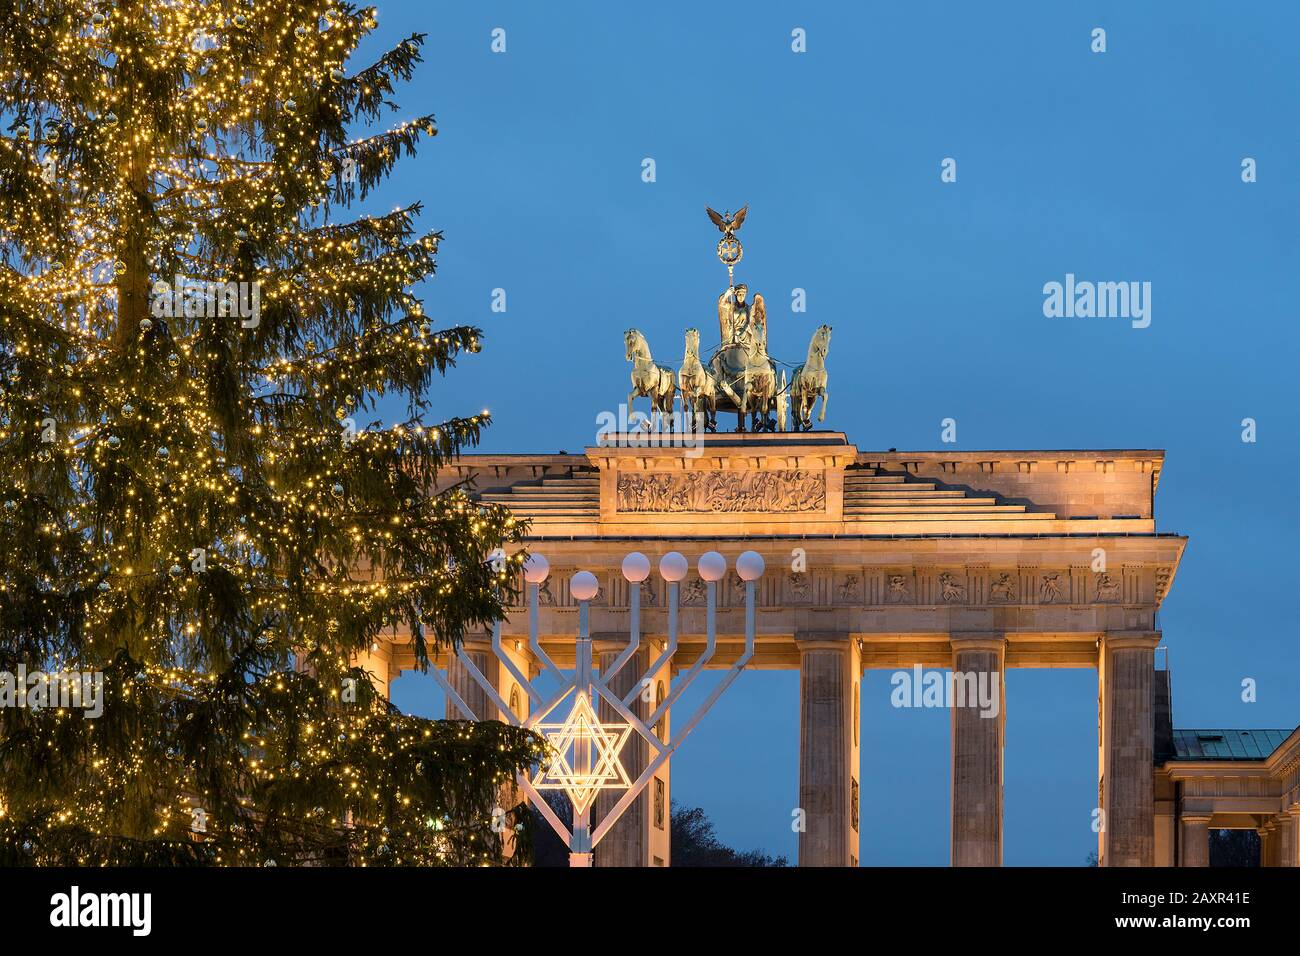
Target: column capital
(825, 634)
(978, 641)
(1117, 640)
(1196, 818)
(823, 640)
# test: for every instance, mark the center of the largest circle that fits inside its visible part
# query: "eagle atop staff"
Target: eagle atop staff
(727, 223)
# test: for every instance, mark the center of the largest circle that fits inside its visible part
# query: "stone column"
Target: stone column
(1293, 828)
(642, 835)
(830, 676)
(1284, 838)
(468, 688)
(1268, 843)
(978, 738)
(378, 662)
(508, 689)
(1166, 823)
(502, 681)
(1195, 849)
(1126, 663)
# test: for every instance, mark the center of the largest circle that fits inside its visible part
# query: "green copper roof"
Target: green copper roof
(1227, 744)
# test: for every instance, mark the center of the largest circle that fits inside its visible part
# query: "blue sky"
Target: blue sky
(1123, 166)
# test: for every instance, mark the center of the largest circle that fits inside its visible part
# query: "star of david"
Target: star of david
(599, 743)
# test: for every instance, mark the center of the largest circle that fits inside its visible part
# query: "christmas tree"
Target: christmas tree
(197, 540)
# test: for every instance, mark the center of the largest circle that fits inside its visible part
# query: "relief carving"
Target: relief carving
(899, 589)
(850, 589)
(1050, 588)
(953, 590)
(1003, 588)
(694, 592)
(737, 587)
(1108, 587)
(798, 587)
(722, 491)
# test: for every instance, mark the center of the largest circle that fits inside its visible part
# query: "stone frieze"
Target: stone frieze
(718, 492)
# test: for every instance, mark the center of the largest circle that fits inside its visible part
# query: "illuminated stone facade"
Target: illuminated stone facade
(978, 561)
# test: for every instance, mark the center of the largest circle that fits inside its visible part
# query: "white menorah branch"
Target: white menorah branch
(595, 747)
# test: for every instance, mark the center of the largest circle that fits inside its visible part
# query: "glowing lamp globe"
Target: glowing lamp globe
(750, 566)
(712, 566)
(673, 566)
(583, 586)
(636, 567)
(536, 568)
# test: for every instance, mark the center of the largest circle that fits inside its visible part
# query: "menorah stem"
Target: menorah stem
(580, 847)
(749, 613)
(634, 636)
(534, 641)
(711, 614)
(582, 650)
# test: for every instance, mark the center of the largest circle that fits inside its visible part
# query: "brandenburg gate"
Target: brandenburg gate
(974, 561)
(782, 546)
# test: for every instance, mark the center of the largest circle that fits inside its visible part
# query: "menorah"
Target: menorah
(584, 757)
